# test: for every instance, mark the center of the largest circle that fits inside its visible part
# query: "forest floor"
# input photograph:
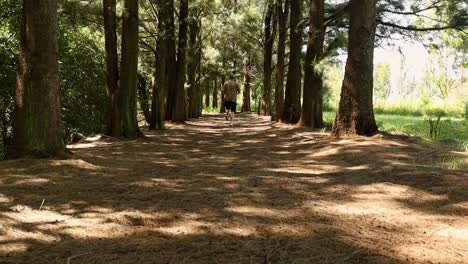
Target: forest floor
(260, 192)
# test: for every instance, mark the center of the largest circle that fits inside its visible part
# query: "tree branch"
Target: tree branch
(413, 28)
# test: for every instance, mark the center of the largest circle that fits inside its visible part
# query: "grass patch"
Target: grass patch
(454, 131)
(454, 163)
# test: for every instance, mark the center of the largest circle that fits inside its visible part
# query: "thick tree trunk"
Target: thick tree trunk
(178, 112)
(268, 41)
(113, 127)
(282, 34)
(129, 70)
(143, 97)
(246, 94)
(312, 112)
(292, 101)
(215, 93)
(192, 67)
(171, 59)
(37, 128)
(162, 69)
(355, 113)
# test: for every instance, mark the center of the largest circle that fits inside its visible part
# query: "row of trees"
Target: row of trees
(368, 25)
(178, 55)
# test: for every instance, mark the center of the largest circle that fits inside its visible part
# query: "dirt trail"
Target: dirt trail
(260, 192)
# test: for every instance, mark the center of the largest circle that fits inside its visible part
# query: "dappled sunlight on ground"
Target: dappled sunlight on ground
(261, 192)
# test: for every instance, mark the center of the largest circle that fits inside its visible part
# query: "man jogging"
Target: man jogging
(230, 90)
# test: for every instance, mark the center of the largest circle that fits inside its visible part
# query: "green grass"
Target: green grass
(455, 110)
(454, 162)
(454, 131)
(454, 134)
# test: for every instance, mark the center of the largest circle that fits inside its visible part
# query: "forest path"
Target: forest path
(260, 192)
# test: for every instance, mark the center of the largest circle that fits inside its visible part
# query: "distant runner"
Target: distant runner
(230, 90)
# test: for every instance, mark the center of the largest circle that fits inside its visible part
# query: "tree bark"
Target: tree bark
(162, 67)
(292, 101)
(199, 78)
(178, 112)
(215, 93)
(37, 128)
(282, 34)
(129, 70)
(312, 112)
(113, 127)
(222, 109)
(192, 67)
(207, 98)
(171, 59)
(246, 106)
(355, 113)
(158, 108)
(268, 41)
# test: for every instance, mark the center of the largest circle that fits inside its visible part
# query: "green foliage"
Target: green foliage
(382, 81)
(434, 118)
(453, 162)
(435, 112)
(82, 80)
(333, 79)
(442, 78)
(9, 19)
(7, 91)
(82, 76)
(398, 109)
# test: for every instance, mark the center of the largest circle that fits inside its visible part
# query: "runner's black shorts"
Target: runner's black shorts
(230, 106)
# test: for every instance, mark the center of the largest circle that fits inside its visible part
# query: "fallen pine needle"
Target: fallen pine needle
(42, 204)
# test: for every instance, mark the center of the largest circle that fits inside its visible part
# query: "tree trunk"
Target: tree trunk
(246, 95)
(192, 67)
(282, 34)
(162, 69)
(113, 127)
(143, 97)
(215, 93)
(222, 109)
(37, 128)
(207, 98)
(178, 112)
(199, 78)
(292, 101)
(171, 59)
(159, 87)
(312, 113)
(268, 41)
(355, 113)
(129, 70)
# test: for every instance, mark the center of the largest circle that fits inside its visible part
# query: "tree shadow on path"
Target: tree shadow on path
(260, 192)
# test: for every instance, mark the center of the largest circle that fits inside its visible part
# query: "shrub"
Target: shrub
(434, 119)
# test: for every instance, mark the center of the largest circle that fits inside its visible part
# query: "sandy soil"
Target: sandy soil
(203, 192)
